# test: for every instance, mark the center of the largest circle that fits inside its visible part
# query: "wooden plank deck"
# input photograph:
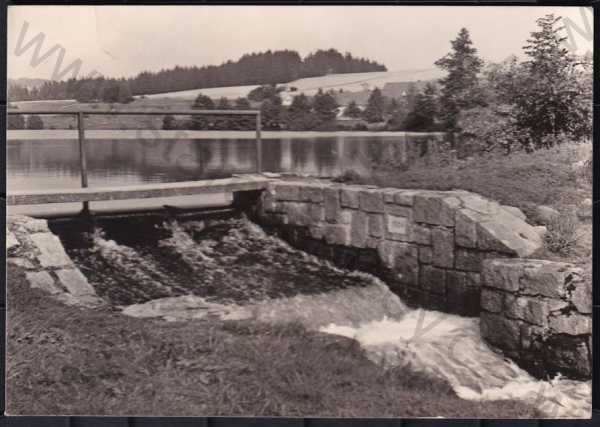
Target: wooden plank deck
(144, 191)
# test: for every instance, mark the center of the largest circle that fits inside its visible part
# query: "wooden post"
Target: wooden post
(258, 144)
(82, 158)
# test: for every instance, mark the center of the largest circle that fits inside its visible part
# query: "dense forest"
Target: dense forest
(268, 67)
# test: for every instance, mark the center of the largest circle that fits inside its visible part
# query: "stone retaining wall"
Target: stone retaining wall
(539, 313)
(427, 245)
(31, 246)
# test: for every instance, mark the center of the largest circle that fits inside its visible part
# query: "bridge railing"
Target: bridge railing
(80, 115)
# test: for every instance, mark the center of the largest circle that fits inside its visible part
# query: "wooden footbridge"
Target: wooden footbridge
(236, 184)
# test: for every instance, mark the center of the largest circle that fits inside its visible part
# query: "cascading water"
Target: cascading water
(232, 269)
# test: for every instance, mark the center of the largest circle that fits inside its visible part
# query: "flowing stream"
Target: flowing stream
(231, 269)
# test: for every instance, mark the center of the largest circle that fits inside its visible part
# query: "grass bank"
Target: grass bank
(69, 360)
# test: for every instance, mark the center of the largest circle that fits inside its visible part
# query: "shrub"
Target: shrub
(561, 236)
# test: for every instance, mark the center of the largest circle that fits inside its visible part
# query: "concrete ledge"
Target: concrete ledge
(146, 191)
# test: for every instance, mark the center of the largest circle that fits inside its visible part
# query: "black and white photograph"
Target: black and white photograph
(299, 211)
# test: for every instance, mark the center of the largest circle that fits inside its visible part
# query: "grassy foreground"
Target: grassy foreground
(69, 360)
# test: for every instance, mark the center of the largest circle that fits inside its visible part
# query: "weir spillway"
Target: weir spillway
(294, 256)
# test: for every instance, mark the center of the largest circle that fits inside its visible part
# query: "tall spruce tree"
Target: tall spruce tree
(352, 110)
(325, 106)
(555, 97)
(375, 107)
(422, 117)
(460, 87)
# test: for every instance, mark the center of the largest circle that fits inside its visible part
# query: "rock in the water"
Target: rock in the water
(186, 307)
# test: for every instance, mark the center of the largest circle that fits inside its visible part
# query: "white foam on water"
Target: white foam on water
(451, 348)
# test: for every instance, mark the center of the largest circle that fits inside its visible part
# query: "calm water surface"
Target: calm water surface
(35, 164)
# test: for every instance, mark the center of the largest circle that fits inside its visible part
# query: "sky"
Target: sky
(121, 41)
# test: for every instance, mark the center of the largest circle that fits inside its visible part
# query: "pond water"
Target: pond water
(44, 164)
(47, 162)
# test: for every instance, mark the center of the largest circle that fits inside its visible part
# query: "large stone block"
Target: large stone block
(581, 295)
(548, 278)
(468, 260)
(269, 203)
(358, 229)
(420, 234)
(287, 191)
(337, 234)
(473, 280)
(331, 203)
(312, 193)
(479, 204)
(345, 216)
(571, 324)
(316, 212)
(397, 228)
(466, 228)
(435, 209)
(499, 331)
(425, 254)
(503, 274)
(503, 232)
(298, 213)
(371, 201)
(42, 280)
(398, 223)
(492, 300)
(401, 257)
(456, 281)
(433, 279)
(376, 227)
(442, 240)
(405, 197)
(388, 194)
(75, 282)
(531, 310)
(349, 196)
(568, 355)
(515, 211)
(316, 231)
(51, 251)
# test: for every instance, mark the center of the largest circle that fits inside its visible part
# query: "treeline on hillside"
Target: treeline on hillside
(539, 102)
(268, 67)
(316, 113)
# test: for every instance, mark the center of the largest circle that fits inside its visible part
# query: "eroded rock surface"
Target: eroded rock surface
(539, 313)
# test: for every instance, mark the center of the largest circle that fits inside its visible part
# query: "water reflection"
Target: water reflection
(37, 164)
